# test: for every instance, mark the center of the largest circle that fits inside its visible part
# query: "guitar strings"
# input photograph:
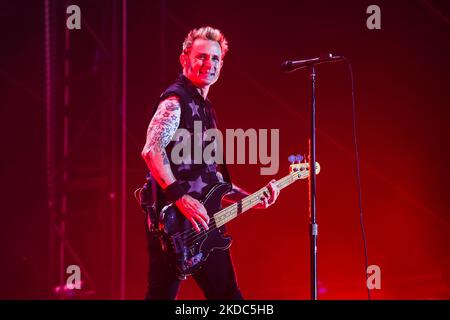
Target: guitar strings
(224, 211)
(212, 222)
(194, 236)
(246, 204)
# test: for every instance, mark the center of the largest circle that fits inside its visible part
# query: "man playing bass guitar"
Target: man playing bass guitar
(185, 184)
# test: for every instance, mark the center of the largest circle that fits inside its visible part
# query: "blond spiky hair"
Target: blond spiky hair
(206, 33)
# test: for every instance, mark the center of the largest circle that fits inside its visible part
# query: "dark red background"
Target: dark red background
(402, 97)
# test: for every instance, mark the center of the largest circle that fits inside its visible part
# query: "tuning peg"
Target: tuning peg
(299, 158)
(292, 158)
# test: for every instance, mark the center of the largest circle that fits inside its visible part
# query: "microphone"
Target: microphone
(297, 64)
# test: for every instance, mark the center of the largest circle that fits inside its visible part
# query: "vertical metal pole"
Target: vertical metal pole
(50, 133)
(63, 214)
(114, 167)
(162, 43)
(312, 177)
(124, 152)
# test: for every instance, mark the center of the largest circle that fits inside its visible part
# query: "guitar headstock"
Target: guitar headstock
(300, 169)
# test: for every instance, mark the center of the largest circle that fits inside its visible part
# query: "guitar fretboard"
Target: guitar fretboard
(229, 213)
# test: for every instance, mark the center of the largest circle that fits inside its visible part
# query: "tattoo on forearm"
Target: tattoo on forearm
(163, 126)
(164, 157)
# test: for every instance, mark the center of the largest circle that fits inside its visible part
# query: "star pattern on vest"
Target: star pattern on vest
(197, 185)
(194, 108)
(195, 177)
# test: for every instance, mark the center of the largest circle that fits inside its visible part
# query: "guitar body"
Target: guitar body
(188, 248)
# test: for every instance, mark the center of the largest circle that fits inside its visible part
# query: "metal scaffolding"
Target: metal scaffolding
(85, 103)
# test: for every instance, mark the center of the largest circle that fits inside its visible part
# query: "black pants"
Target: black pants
(216, 278)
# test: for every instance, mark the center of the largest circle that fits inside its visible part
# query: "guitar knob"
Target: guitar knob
(292, 159)
(299, 158)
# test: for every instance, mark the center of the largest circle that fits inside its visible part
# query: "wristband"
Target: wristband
(174, 191)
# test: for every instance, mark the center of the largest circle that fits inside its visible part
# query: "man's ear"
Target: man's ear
(183, 60)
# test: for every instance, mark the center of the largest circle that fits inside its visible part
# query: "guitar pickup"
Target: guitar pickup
(189, 263)
(177, 243)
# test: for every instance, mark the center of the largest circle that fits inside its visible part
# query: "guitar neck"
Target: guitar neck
(229, 213)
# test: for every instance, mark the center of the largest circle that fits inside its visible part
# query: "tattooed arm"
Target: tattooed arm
(160, 131)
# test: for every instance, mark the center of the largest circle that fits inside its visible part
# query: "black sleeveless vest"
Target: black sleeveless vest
(197, 112)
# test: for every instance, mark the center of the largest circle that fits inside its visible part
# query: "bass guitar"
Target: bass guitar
(190, 248)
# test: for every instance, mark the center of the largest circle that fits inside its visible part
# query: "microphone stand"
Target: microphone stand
(311, 65)
(312, 185)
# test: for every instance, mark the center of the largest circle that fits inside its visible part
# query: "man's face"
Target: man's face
(203, 63)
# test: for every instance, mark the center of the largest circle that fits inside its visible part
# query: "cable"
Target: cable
(358, 174)
(137, 194)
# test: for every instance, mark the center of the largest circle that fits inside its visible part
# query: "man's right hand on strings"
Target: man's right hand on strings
(194, 211)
